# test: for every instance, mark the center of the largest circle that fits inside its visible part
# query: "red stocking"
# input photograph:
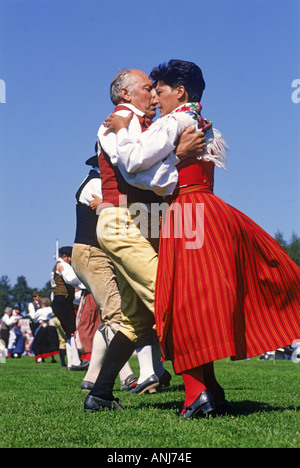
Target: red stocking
(193, 383)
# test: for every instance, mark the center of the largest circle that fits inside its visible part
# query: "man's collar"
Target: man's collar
(132, 108)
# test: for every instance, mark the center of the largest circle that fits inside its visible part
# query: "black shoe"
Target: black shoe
(92, 404)
(86, 386)
(222, 406)
(82, 367)
(129, 383)
(164, 380)
(203, 406)
(149, 385)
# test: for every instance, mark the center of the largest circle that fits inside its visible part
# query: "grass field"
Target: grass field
(42, 407)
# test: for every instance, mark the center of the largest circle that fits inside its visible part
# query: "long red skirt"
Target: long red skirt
(87, 322)
(233, 291)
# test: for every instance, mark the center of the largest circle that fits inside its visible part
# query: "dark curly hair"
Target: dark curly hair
(181, 73)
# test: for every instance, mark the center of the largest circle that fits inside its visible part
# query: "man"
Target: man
(32, 308)
(6, 322)
(96, 271)
(133, 253)
(63, 282)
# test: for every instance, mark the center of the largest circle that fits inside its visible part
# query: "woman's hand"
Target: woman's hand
(114, 123)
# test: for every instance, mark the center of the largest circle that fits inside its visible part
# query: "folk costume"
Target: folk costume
(63, 287)
(101, 302)
(45, 343)
(16, 343)
(134, 254)
(136, 277)
(224, 287)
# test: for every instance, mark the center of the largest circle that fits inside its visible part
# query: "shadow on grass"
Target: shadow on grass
(238, 408)
(249, 407)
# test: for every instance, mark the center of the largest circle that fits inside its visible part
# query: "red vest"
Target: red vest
(115, 190)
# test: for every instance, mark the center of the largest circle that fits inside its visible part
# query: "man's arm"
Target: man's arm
(139, 151)
(68, 274)
(190, 144)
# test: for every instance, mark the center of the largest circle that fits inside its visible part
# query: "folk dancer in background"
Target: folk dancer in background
(63, 282)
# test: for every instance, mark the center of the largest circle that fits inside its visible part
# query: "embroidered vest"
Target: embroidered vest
(60, 288)
(115, 189)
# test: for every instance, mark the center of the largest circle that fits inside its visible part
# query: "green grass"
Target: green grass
(42, 407)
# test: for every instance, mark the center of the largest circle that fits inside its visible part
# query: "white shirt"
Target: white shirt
(68, 275)
(146, 160)
(8, 320)
(131, 151)
(31, 310)
(44, 314)
(94, 186)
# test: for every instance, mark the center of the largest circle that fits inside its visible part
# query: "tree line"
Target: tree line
(19, 295)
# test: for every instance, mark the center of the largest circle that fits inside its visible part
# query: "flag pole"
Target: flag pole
(56, 250)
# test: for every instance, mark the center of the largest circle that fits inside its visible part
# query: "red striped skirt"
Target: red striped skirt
(229, 291)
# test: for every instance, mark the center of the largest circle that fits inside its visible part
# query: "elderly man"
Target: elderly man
(133, 253)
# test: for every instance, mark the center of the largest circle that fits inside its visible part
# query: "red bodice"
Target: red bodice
(196, 172)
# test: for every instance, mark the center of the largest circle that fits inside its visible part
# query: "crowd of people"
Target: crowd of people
(165, 268)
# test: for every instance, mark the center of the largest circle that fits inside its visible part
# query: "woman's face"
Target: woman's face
(168, 98)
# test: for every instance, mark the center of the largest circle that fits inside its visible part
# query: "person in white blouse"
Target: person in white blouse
(6, 322)
(32, 307)
(46, 342)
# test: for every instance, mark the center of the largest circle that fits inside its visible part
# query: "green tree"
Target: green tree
(46, 291)
(5, 294)
(292, 248)
(21, 293)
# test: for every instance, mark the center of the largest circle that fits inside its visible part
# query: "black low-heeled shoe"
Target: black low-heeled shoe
(92, 404)
(86, 386)
(204, 405)
(129, 383)
(149, 385)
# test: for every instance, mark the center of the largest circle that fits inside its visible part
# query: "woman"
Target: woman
(236, 292)
(45, 343)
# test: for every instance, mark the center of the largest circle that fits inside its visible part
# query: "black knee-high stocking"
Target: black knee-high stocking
(118, 353)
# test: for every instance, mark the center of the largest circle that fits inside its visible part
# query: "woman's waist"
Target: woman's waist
(184, 189)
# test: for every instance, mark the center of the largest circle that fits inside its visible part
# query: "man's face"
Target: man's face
(167, 98)
(67, 259)
(143, 94)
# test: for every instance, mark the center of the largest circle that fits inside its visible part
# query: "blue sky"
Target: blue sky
(57, 59)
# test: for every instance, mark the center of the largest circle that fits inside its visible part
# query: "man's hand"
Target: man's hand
(114, 123)
(95, 202)
(191, 143)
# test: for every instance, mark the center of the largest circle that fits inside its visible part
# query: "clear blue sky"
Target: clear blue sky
(57, 59)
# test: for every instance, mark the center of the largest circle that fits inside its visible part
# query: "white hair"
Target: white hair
(124, 79)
